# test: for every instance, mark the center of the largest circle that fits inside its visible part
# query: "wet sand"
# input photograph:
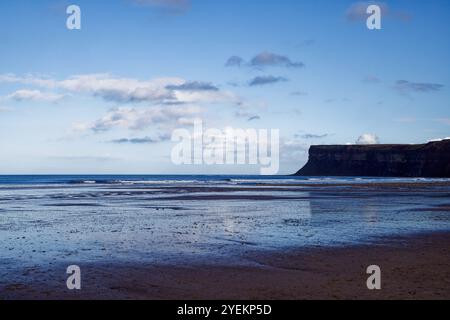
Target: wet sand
(413, 267)
(223, 239)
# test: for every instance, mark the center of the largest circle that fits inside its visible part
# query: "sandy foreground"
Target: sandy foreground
(416, 267)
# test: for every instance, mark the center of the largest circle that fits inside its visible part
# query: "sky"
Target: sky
(105, 99)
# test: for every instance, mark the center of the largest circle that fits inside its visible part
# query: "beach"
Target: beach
(224, 237)
(412, 268)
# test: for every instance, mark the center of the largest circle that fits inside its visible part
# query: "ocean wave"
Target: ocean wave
(54, 181)
(135, 182)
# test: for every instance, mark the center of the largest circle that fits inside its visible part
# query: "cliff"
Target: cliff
(424, 160)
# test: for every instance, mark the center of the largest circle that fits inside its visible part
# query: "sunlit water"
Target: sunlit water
(216, 219)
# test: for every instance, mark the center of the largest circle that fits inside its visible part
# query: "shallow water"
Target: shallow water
(174, 219)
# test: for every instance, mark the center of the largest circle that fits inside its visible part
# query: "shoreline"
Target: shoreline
(412, 267)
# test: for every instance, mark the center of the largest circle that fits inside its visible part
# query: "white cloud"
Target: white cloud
(139, 118)
(368, 138)
(163, 102)
(168, 90)
(120, 89)
(27, 79)
(35, 95)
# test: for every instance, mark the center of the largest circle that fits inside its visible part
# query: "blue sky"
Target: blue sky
(68, 97)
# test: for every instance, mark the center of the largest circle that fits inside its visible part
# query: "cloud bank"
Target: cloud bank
(121, 90)
(139, 118)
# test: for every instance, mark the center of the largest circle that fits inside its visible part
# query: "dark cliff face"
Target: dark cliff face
(424, 160)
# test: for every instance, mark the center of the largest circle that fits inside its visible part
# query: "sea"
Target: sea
(165, 219)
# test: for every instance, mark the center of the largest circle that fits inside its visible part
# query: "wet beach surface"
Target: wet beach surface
(229, 224)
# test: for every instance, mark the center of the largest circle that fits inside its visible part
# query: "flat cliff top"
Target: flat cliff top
(436, 145)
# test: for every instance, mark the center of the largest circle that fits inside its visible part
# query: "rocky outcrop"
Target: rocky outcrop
(424, 160)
